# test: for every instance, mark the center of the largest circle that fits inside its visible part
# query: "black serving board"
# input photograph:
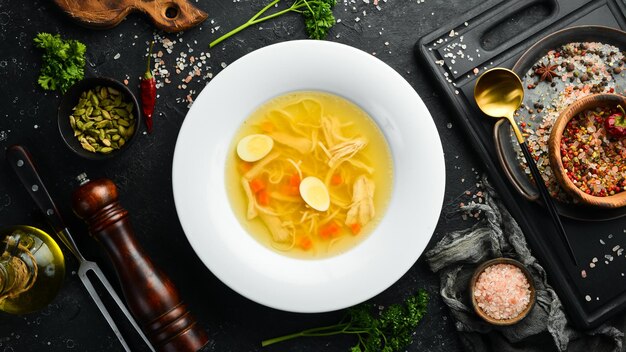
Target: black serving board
(451, 54)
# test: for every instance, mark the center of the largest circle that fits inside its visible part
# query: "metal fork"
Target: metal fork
(21, 162)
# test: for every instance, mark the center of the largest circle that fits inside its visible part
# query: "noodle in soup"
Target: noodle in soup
(310, 174)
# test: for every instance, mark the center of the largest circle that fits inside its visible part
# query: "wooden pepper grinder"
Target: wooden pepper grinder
(149, 293)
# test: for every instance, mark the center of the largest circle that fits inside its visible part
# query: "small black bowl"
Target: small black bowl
(70, 100)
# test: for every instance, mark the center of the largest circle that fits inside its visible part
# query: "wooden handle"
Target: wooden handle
(151, 296)
(172, 15)
(168, 15)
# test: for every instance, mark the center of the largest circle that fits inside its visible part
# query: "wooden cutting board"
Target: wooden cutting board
(168, 15)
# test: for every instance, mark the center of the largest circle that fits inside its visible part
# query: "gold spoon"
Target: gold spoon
(499, 93)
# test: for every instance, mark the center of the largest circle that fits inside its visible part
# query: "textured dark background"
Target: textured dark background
(143, 173)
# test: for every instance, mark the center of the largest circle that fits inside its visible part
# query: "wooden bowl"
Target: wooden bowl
(580, 105)
(529, 278)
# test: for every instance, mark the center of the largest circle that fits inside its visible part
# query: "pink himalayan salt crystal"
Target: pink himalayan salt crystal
(502, 291)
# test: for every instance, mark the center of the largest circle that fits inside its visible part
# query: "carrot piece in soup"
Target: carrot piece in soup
(305, 243)
(294, 180)
(263, 197)
(336, 180)
(330, 230)
(267, 126)
(293, 187)
(355, 228)
(257, 185)
(244, 167)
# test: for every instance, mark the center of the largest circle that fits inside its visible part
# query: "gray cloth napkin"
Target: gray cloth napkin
(497, 234)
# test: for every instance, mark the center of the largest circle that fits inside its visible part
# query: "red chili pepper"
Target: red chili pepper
(615, 124)
(148, 93)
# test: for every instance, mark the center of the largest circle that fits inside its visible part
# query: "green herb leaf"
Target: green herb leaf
(318, 18)
(317, 14)
(63, 61)
(389, 330)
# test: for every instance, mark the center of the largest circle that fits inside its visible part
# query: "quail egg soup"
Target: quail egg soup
(309, 175)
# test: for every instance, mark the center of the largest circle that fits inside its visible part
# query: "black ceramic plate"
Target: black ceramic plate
(507, 146)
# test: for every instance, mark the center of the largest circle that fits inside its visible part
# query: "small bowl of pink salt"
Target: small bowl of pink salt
(502, 291)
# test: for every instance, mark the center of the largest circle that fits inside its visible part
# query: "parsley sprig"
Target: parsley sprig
(317, 14)
(63, 61)
(388, 330)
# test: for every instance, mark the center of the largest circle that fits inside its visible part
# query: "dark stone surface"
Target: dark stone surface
(143, 173)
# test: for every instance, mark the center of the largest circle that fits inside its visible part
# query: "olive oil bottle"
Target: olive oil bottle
(32, 269)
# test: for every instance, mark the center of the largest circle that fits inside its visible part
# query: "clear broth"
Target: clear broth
(354, 123)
